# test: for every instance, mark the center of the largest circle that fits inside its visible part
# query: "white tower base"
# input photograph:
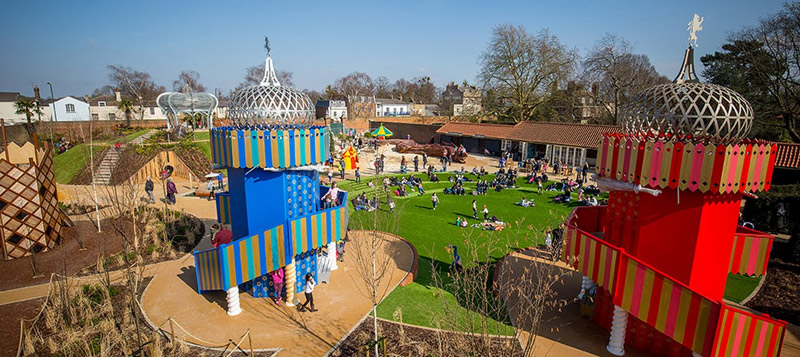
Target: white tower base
(233, 301)
(619, 323)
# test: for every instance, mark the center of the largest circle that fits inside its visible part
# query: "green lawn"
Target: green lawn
(66, 165)
(135, 134)
(739, 287)
(205, 147)
(431, 231)
(201, 135)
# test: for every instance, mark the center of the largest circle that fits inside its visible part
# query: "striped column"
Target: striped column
(619, 323)
(233, 301)
(291, 284)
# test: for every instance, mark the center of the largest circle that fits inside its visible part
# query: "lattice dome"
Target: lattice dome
(271, 105)
(688, 109)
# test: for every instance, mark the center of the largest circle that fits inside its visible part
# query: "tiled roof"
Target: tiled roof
(389, 101)
(9, 96)
(788, 155)
(567, 134)
(493, 131)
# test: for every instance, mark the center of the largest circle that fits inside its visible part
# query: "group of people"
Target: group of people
(362, 203)
(63, 145)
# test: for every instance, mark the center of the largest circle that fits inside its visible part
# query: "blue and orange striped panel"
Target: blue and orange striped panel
(275, 149)
(208, 271)
(223, 207)
(248, 258)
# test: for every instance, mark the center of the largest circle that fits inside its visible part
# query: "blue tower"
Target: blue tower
(273, 154)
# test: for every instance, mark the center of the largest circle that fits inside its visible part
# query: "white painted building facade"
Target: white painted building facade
(331, 109)
(389, 107)
(69, 109)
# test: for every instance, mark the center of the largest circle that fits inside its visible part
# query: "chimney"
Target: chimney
(595, 89)
(117, 93)
(36, 93)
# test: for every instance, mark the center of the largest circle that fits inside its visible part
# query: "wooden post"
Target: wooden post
(5, 142)
(171, 330)
(35, 147)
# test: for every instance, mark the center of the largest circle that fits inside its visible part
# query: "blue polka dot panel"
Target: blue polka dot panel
(262, 287)
(302, 193)
(305, 263)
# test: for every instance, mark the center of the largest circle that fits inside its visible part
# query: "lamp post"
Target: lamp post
(52, 98)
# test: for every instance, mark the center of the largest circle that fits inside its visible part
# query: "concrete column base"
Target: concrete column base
(586, 284)
(233, 301)
(332, 255)
(619, 324)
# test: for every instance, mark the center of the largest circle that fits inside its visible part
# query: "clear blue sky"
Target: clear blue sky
(70, 43)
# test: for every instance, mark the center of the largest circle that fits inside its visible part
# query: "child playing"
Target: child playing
(308, 290)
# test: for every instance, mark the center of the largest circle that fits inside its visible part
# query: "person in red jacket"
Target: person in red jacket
(220, 235)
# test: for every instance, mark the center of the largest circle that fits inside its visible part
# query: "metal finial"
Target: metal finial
(266, 44)
(695, 25)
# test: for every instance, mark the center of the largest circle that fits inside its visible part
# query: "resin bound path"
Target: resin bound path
(202, 319)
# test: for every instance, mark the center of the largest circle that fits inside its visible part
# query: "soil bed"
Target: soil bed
(778, 296)
(65, 259)
(407, 340)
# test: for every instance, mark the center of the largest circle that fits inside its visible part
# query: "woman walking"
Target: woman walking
(308, 290)
(474, 209)
(171, 191)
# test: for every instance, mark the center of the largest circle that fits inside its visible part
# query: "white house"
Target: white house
(106, 107)
(389, 107)
(69, 109)
(9, 112)
(331, 109)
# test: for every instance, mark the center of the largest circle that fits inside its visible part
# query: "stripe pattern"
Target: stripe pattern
(591, 256)
(248, 258)
(223, 207)
(209, 275)
(744, 166)
(251, 257)
(317, 230)
(744, 334)
(668, 306)
(234, 148)
(750, 254)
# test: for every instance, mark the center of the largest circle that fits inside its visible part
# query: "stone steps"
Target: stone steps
(103, 172)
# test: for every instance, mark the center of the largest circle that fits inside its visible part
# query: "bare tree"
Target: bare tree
(372, 253)
(254, 75)
(383, 89)
(618, 72)
(104, 90)
(356, 87)
(491, 304)
(520, 68)
(135, 85)
(188, 81)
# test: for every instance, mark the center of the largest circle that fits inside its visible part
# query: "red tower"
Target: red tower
(662, 249)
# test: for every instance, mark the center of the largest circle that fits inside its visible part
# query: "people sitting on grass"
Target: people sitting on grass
(526, 203)
(562, 198)
(461, 222)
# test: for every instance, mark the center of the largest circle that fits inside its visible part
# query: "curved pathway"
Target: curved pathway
(203, 320)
